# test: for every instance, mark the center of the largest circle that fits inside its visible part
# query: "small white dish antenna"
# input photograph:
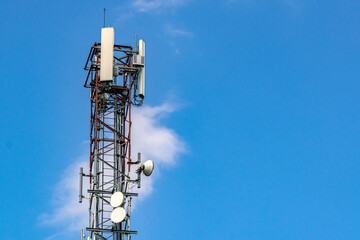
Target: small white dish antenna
(117, 199)
(148, 167)
(118, 215)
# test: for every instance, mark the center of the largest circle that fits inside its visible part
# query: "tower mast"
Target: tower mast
(115, 73)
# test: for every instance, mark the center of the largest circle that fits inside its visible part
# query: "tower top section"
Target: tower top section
(109, 62)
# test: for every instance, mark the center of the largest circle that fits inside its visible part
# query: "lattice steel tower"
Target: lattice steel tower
(116, 77)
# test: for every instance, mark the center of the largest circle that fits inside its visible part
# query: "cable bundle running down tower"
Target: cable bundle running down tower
(116, 77)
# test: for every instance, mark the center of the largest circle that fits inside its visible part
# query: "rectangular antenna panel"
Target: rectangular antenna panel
(139, 60)
(142, 70)
(107, 54)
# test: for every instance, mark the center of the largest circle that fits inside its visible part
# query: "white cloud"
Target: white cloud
(68, 211)
(177, 32)
(151, 138)
(294, 4)
(150, 5)
(154, 140)
(174, 34)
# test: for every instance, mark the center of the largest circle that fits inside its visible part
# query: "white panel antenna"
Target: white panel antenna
(142, 70)
(107, 54)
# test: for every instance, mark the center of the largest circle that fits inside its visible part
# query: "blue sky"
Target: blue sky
(264, 96)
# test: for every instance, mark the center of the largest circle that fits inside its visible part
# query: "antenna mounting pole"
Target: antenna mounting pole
(104, 17)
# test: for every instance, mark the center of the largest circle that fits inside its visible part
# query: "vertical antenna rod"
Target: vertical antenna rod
(104, 17)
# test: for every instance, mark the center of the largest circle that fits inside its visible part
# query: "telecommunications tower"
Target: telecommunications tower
(116, 79)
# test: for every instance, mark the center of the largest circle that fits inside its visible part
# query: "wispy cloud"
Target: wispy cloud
(154, 140)
(294, 4)
(67, 210)
(150, 5)
(174, 35)
(177, 32)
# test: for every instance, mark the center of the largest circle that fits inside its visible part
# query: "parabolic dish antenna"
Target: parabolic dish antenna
(117, 199)
(148, 167)
(118, 215)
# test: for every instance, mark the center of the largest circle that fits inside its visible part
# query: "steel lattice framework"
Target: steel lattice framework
(110, 140)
